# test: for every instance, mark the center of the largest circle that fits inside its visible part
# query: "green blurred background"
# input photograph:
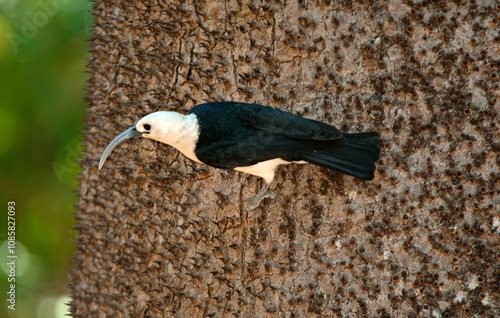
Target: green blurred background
(43, 57)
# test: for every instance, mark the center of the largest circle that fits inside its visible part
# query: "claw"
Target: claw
(263, 193)
(271, 195)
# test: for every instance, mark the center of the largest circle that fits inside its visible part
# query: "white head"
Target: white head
(164, 126)
(157, 125)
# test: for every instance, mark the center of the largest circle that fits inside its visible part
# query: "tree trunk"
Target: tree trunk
(160, 235)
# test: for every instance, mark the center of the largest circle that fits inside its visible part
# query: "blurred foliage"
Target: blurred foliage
(43, 56)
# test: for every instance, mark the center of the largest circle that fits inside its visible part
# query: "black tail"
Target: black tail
(357, 157)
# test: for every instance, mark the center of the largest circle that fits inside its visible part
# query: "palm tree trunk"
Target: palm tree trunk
(162, 236)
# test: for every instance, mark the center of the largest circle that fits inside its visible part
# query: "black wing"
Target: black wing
(286, 124)
(238, 135)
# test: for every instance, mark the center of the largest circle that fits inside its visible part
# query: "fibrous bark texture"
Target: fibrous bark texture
(160, 235)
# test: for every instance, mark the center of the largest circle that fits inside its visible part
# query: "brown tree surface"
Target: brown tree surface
(160, 235)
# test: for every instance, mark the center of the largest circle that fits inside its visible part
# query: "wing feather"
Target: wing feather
(286, 124)
(238, 135)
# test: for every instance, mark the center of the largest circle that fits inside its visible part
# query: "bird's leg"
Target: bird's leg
(263, 193)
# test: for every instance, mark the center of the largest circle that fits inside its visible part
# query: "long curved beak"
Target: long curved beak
(127, 134)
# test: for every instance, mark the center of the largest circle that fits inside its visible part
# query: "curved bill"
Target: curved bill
(127, 134)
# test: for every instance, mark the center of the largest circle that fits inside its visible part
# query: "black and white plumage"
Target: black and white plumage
(255, 139)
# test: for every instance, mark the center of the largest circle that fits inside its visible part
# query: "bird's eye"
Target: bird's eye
(147, 126)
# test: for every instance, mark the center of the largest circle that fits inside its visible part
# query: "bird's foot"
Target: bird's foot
(263, 193)
(255, 201)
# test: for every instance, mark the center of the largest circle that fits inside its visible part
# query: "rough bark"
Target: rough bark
(160, 235)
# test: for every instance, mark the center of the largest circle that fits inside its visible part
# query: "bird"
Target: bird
(256, 139)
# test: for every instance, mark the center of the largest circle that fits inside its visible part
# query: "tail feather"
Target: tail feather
(357, 157)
